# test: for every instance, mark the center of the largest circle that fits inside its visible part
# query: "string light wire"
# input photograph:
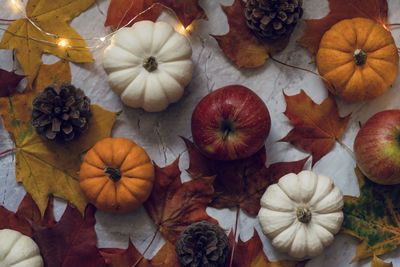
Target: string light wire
(64, 43)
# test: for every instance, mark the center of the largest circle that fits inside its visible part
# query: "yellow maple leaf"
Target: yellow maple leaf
(48, 168)
(377, 262)
(53, 16)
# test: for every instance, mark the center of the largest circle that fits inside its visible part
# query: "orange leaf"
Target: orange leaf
(316, 126)
(122, 12)
(240, 45)
(342, 9)
(239, 183)
(251, 254)
(174, 205)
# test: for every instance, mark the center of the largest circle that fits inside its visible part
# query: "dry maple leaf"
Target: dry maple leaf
(317, 127)
(165, 257)
(9, 82)
(377, 262)
(251, 254)
(342, 9)
(240, 45)
(373, 218)
(69, 242)
(20, 220)
(121, 12)
(48, 168)
(174, 205)
(53, 16)
(239, 183)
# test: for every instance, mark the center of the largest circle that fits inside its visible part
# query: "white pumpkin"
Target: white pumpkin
(149, 65)
(18, 250)
(301, 213)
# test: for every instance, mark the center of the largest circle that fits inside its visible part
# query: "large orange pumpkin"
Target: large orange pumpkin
(116, 175)
(358, 59)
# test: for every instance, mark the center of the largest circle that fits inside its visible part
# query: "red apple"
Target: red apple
(377, 148)
(230, 123)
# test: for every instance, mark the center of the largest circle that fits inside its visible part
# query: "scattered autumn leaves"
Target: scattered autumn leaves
(317, 127)
(52, 16)
(50, 168)
(122, 12)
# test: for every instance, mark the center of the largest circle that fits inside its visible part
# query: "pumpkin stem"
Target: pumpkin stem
(360, 57)
(114, 173)
(303, 215)
(150, 64)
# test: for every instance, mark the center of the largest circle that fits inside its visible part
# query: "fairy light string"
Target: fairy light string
(64, 42)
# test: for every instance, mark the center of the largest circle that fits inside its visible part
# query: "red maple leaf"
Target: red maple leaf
(69, 242)
(251, 253)
(121, 12)
(317, 127)
(165, 257)
(342, 9)
(174, 205)
(9, 82)
(240, 45)
(239, 183)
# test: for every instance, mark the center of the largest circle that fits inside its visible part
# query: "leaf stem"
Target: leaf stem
(7, 152)
(146, 249)
(348, 149)
(234, 236)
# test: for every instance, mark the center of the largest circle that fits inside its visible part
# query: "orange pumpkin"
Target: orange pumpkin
(116, 175)
(358, 59)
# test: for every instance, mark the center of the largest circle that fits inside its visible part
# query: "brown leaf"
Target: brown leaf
(239, 183)
(342, 9)
(165, 257)
(251, 254)
(70, 242)
(174, 205)
(240, 45)
(9, 82)
(316, 126)
(121, 12)
(19, 221)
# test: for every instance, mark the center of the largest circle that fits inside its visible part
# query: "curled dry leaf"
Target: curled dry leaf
(174, 205)
(239, 183)
(52, 16)
(373, 218)
(377, 262)
(317, 127)
(251, 253)
(9, 82)
(342, 9)
(46, 168)
(165, 257)
(240, 45)
(69, 242)
(121, 12)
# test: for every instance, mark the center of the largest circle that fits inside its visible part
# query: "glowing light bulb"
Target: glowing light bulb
(15, 5)
(103, 39)
(63, 43)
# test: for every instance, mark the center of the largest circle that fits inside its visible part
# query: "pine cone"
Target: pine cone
(61, 113)
(203, 244)
(273, 19)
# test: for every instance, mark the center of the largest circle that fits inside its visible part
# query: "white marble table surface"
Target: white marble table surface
(158, 133)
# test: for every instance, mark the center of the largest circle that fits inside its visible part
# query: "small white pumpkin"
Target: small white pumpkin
(18, 250)
(301, 213)
(149, 65)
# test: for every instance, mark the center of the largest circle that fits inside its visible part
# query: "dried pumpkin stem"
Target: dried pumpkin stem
(303, 215)
(114, 173)
(360, 57)
(150, 64)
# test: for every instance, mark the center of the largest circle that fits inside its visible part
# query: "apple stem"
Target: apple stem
(226, 134)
